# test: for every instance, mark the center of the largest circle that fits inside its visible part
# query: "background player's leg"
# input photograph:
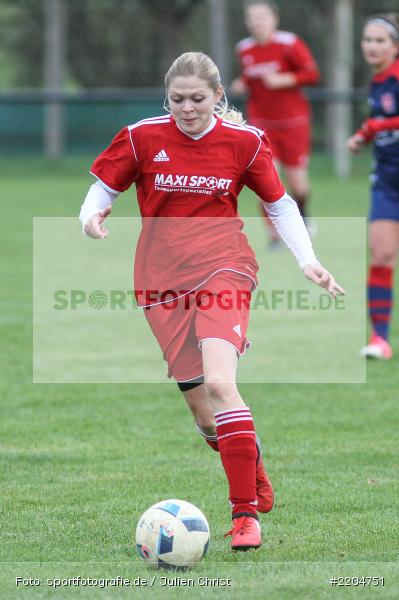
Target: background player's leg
(384, 247)
(274, 138)
(298, 184)
(273, 235)
(384, 243)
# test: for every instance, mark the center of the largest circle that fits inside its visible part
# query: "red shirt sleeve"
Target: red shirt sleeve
(117, 166)
(261, 176)
(387, 123)
(370, 127)
(304, 65)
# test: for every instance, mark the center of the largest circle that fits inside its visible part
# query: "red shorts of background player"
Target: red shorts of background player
(290, 145)
(218, 309)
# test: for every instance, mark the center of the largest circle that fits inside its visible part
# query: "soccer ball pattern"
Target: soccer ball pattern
(98, 300)
(212, 182)
(172, 534)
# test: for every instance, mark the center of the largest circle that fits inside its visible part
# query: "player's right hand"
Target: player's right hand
(93, 226)
(355, 143)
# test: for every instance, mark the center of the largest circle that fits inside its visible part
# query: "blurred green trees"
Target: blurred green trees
(127, 43)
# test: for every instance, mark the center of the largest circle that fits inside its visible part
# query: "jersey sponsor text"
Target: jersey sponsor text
(190, 183)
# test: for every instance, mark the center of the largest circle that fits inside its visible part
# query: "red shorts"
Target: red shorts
(217, 309)
(291, 145)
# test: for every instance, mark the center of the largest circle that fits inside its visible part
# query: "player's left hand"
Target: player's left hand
(93, 226)
(319, 275)
(276, 81)
(355, 143)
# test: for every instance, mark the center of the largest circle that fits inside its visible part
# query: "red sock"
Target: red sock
(237, 446)
(212, 441)
(380, 298)
(213, 444)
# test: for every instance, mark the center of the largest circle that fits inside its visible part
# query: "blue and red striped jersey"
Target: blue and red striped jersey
(384, 106)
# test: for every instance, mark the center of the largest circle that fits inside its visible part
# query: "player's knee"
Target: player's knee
(298, 185)
(221, 390)
(383, 258)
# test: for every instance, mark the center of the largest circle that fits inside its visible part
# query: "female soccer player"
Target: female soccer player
(275, 65)
(380, 46)
(194, 268)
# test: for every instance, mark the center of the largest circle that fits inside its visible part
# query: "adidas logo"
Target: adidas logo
(161, 156)
(237, 330)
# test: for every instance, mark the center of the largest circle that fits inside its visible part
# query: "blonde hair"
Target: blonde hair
(202, 66)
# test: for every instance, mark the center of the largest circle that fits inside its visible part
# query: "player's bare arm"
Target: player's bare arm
(279, 81)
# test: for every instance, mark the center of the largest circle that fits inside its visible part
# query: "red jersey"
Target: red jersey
(284, 52)
(178, 177)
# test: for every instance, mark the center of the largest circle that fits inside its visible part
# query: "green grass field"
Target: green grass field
(80, 463)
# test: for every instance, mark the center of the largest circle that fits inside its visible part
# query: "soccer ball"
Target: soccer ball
(172, 534)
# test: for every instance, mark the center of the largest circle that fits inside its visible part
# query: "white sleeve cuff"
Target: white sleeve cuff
(287, 220)
(97, 199)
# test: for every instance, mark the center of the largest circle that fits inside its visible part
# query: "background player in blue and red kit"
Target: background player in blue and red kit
(380, 46)
(274, 66)
(189, 168)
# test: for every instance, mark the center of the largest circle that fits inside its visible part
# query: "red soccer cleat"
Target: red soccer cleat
(245, 533)
(264, 488)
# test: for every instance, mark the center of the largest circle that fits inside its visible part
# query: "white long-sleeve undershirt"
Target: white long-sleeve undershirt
(286, 218)
(283, 213)
(97, 199)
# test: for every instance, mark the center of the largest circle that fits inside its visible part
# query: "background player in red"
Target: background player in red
(275, 65)
(380, 46)
(188, 169)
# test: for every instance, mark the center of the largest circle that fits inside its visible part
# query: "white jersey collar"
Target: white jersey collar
(198, 136)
